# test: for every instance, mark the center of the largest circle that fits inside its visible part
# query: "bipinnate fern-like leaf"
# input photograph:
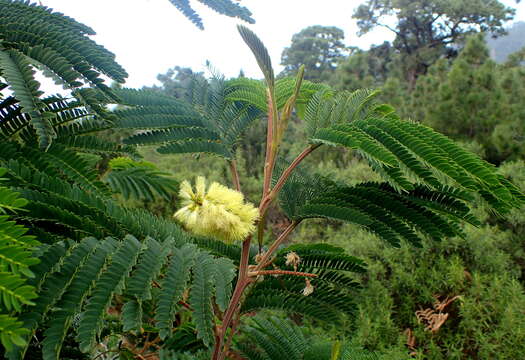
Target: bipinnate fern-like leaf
(85, 278)
(224, 7)
(12, 332)
(212, 124)
(395, 146)
(33, 37)
(260, 52)
(272, 338)
(65, 43)
(20, 77)
(55, 284)
(391, 215)
(71, 302)
(332, 298)
(73, 125)
(425, 207)
(61, 206)
(121, 264)
(139, 180)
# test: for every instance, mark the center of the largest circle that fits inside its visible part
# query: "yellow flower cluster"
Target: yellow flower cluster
(217, 212)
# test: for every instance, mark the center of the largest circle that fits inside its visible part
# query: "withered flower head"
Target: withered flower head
(293, 259)
(309, 288)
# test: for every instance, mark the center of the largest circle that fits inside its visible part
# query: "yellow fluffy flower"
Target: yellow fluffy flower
(218, 211)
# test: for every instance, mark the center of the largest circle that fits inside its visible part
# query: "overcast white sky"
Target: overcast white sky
(151, 36)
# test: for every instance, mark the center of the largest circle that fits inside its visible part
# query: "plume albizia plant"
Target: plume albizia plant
(408, 203)
(216, 211)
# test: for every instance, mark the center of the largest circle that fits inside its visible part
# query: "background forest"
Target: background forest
(457, 66)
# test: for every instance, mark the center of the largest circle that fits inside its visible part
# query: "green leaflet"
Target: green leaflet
(12, 332)
(195, 146)
(174, 284)
(224, 274)
(148, 267)
(20, 77)
(201, 297)
(132, 316)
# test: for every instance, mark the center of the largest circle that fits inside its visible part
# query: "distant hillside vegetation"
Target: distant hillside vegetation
(503, 46)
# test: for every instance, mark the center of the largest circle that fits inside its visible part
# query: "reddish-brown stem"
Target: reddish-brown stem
(265, 203)
(286, 173)
(235, 175)
(243, 279)
(235, 323)
(242, 282)
(284, 235)
(280, 272)
(186, 305)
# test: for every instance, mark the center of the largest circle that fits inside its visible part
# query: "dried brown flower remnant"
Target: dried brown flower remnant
(411, 341)
(309, 288)
(435, 318)
(441, 305)
(293, 259)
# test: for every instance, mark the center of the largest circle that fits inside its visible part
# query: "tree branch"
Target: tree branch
(280, 272)
(235, 175)
(284, 177)
(284, 235)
